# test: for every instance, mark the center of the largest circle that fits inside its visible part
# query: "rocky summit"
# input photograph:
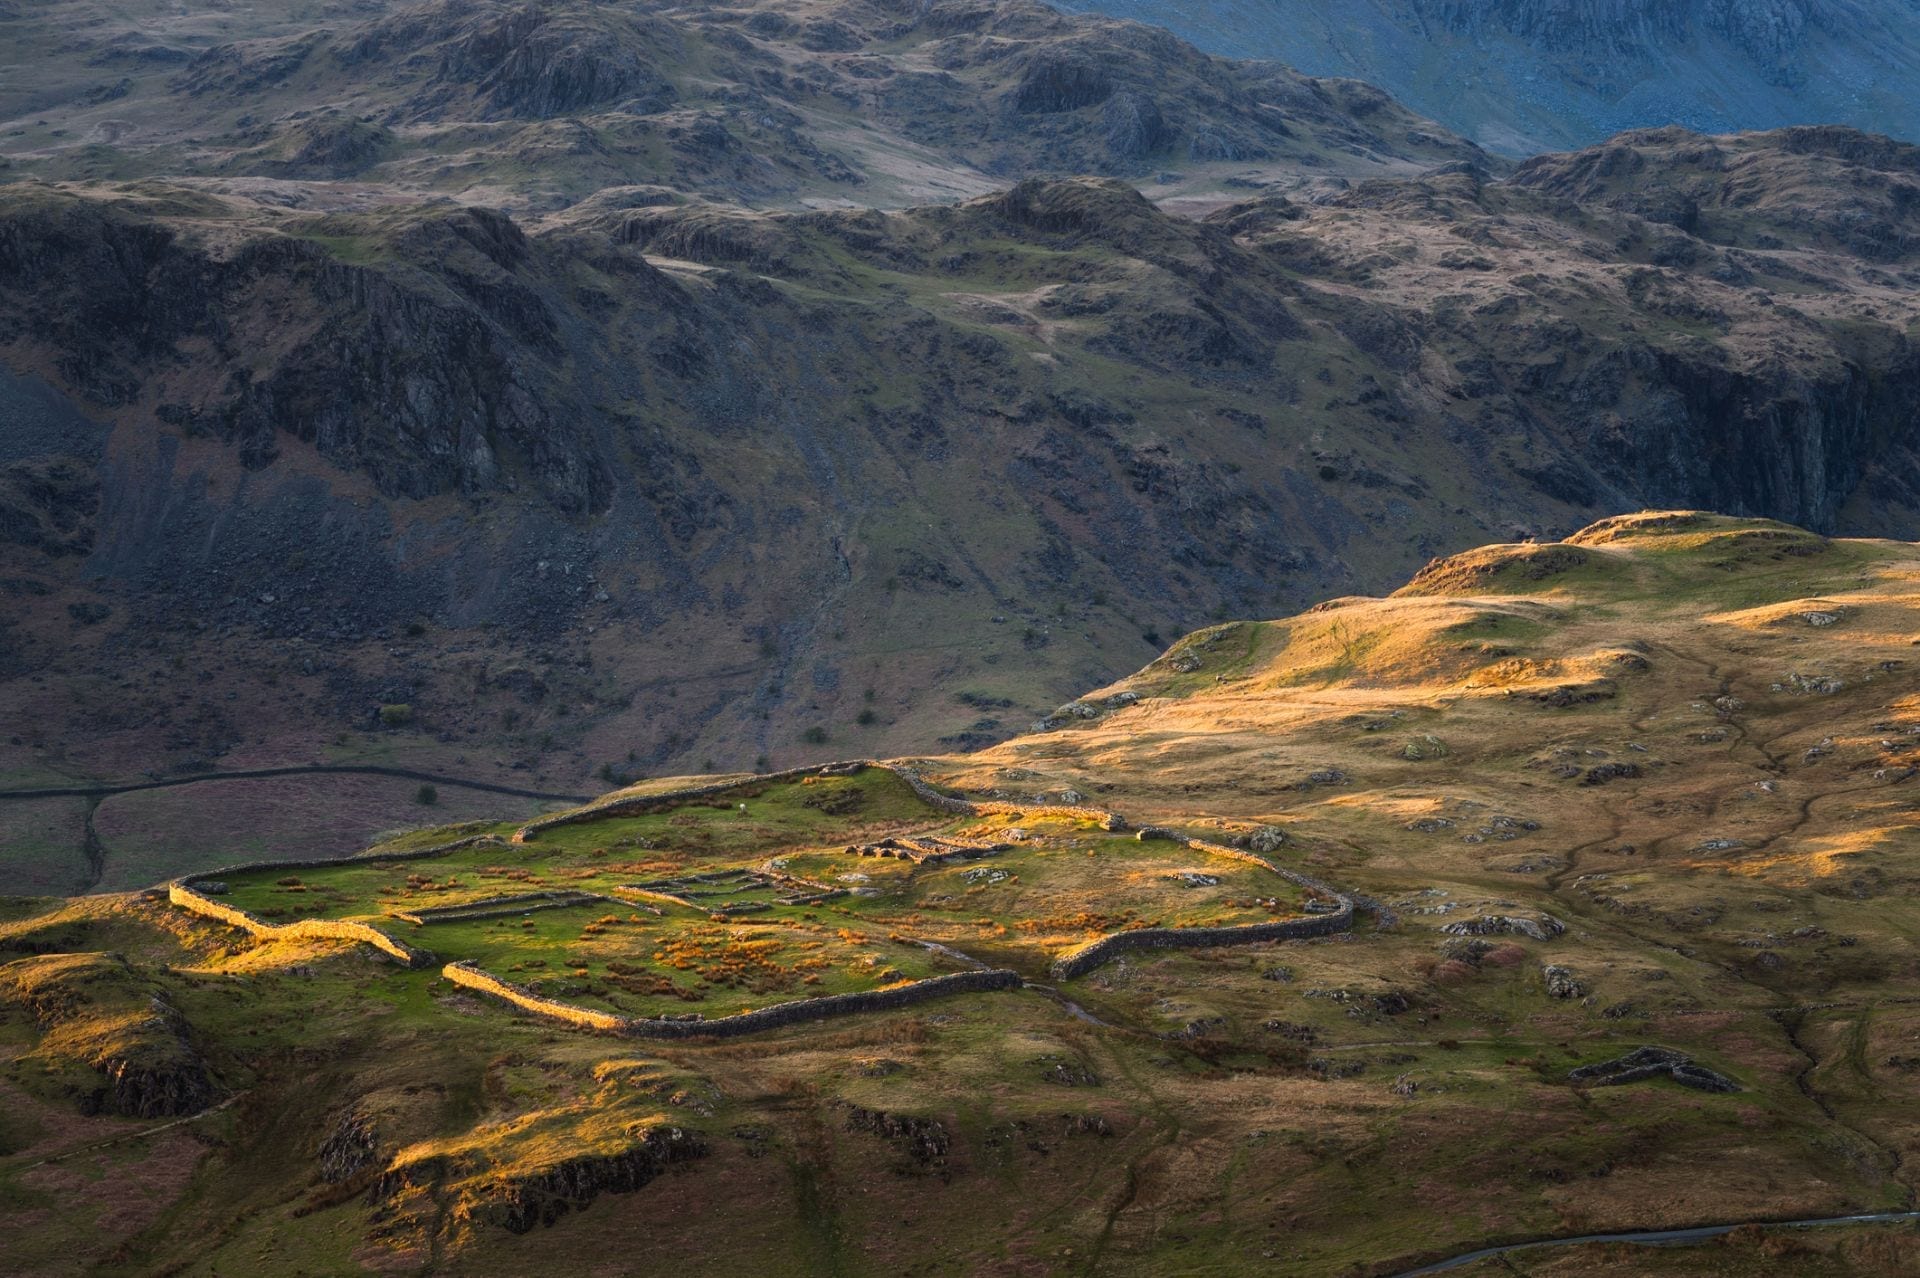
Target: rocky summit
(860, 637)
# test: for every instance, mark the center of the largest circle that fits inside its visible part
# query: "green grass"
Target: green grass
(1059, 892)
(1064, 884)
(641, 966)
(626, 957)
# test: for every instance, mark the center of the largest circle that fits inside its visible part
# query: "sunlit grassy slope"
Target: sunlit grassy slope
(1650, 786)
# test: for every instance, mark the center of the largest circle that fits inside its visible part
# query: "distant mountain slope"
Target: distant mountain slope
(515, 105)
(670, 477)
(1521, 76)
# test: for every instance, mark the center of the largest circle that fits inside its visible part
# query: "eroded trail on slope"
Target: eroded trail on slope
(102, 789)
(1655, 1238)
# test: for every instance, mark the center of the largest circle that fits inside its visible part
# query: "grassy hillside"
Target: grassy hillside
(1642, 787)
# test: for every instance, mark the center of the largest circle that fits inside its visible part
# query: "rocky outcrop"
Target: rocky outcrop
(520, 1198)
(49, 505)
(1061, 81)
(110, 1038)
(1652, 1062)
(1264, 839)
(1134, 126)
(350, 1147)
(520, 1203)
(1561, 982)
(926, 1141)
(334, 146)
(1533, 924)
(532, 63)
(421, 386)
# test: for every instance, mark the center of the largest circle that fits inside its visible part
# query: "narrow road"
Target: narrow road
(1656, 1237)
(101, 789)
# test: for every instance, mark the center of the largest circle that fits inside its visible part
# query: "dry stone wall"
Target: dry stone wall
(1075, 963)
(185, 894)
(639, 804)
(484, 982)
(766, 1018)
(1107, 948)
(306, 929)
(493, 907)
(1080, 961)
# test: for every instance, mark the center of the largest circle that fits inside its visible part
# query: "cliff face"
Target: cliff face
(1520, 75)
(415, 382)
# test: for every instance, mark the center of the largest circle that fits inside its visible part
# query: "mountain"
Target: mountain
(1565, 890)
(344, 103)
(841, 436)
(1522, 76)
(520, 395)
(653, 482)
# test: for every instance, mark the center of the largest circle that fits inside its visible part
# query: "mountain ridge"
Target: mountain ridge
(513, 388)
(621, 401)
(1521, 76)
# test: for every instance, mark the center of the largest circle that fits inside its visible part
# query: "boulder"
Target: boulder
(1264, 839)
(1561, 982)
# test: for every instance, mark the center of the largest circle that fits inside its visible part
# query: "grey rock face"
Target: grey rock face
(1134, 125)
(1057, 81)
